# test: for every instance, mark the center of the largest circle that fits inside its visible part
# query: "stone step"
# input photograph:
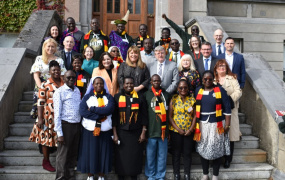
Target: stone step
(28, 96)
(20, 129)
(23, 117)
(247, 142)
(245, 129)
(25, 106)
(19, 143)
(236, 171)
(242, 118)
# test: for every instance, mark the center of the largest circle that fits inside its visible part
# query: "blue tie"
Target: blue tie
(68, 61)
(219, 50)
(206, 64)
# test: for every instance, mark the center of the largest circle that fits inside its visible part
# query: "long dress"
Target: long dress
(46, 136)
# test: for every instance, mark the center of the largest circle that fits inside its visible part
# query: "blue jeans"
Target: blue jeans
(156, 156)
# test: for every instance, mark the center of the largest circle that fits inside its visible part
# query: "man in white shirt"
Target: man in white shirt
(176, 54)
(147, 54)
(66, 100)
(219, 46)
(167, 70)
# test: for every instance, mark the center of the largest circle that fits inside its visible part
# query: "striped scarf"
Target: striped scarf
(171, 55)
(160, 111)
(86, 37)
(141, 42)
(101, 103)
(220, 128)
(134, 107)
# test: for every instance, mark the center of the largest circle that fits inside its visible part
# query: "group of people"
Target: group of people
(95, 95)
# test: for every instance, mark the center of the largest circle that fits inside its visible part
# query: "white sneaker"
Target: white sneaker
(101, 178)
(90, 178)
(205, 177)
(215, 178)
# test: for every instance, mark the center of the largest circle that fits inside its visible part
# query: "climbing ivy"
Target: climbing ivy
(15, 13)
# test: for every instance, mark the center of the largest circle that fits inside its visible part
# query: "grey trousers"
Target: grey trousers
(66, 157)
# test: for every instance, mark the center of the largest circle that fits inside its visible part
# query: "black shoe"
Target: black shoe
(176, 176)
(187, 177)
(227, 164)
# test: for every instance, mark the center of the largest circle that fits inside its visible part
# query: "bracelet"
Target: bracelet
(144, 129)
(228, 126)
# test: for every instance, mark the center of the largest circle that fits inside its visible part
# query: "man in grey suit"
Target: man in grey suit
(208, 62)
(167, 70)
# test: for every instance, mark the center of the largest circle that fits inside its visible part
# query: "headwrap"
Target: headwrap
(119, 59)
(90, 86)
(160, 111)
(124, 20)
(134, 107)
(218, 95)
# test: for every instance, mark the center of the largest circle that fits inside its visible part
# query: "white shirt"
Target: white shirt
(209, 62)
(162, 68)
(178, 57)
(66, 107)
(222, 48)
(230, 60)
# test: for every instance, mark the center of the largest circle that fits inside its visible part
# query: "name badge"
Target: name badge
(83, 80)
(166, 108)
(190, 109)
(125, 40)
(205, 92)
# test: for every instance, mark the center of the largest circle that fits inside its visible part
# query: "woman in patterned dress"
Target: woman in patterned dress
(182, 122)
(188, 72)
(43, 131)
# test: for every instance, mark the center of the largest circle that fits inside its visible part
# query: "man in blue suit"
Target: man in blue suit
(219, 47)
(235, 61)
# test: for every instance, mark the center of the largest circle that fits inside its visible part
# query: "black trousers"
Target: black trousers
(230, 157)
(66, 157)
(216, 166)
(181, 144)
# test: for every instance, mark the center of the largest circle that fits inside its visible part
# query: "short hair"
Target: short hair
(136, 50)
(53, 63)
(155, 75)
(229, 38)
(70, 18)
(59, 32)
(183, 80)
(206, 43)
(69, 36)
(98, 78)
(77, 56)
(85, 51)
(143, 25)
(102, 58)
(167, 29)
(208, 71)
(186, 57)
(128, 77)
(159, 48)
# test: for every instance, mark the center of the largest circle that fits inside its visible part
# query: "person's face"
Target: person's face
(128, 85)
(120, 28)
(195, 30)
(155, 82)
(206, 50)
(160, 56)
(174, 44)
(165, 34)
(54, 31)
(88, 53)
(70, 24)
(68, 43)
(76, 64)
(107, 61)
(218, 36)
(222, 68)
(54, 72)
(208, 80)
(148, 45)
(186, 63)
(229, 45)
(50, 48)
(194, 42)
(133, 56)
(95, 25)
(115, 52)
(143, 30)
(69, 78)
(183, 88)
(98, 85)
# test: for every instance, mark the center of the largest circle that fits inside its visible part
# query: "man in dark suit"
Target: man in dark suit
(219, 47)
(235, 61)
(67, 53)
(167, 70)
(208, 62)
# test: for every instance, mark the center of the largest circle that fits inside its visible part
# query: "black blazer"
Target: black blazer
(200, 65)
(63, 56)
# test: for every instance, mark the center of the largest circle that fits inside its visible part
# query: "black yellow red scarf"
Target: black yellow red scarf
(166, 40)
(171, 55)
(140, 42)
(134, 107)
(217, 91)
(101, 103)
(160, 111)
(119, 59)
(86, 38)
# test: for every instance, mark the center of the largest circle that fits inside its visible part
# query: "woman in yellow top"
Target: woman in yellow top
(182, 120)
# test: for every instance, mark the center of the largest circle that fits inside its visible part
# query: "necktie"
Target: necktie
(219, 50)
(160, 70)
(175, 57)
(68, 61)
(206, 64)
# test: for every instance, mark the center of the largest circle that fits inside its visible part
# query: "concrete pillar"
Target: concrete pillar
(197, 8)
(72, 10)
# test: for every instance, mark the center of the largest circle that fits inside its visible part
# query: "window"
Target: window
(96, 6)
(239, 44)
(150, 6)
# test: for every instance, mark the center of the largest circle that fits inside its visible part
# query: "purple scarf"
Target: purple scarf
(117, 40)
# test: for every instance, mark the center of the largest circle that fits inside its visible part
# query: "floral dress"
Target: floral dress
(193, 79)
(43, 68)
(47, 135)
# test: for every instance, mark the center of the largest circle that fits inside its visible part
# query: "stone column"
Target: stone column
(197, 8)
(73, 8)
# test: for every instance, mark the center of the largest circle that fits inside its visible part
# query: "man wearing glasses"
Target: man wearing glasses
(175, 55)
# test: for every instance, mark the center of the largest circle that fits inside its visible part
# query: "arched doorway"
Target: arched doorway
(141, 12)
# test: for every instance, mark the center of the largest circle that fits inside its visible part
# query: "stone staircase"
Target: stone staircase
(22, 159)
